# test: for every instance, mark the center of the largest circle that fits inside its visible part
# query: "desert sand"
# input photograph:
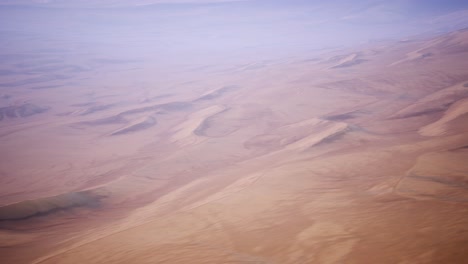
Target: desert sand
(354, 155)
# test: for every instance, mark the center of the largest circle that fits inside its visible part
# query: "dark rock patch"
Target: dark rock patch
(45, 206)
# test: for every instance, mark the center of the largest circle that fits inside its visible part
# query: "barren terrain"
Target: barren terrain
(347, 156)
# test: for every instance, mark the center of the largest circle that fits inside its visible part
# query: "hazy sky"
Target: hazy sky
(139, 28)
(422, 4)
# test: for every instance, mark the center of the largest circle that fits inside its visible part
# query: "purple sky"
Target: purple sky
(177, 29)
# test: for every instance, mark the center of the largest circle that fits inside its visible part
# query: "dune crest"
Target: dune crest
(452, 115)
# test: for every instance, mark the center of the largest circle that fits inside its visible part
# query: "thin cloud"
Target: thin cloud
(106, 3)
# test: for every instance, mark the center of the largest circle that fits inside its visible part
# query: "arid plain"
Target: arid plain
(356, 155)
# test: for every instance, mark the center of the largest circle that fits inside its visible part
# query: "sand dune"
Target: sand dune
(217, 93)
(454, 114)
(327, 131)
(439, 175)
(347, 61)
(186, 132)
(298, 136)
(434, 102)
(230, 120)
(452, 43)
(137, 125)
